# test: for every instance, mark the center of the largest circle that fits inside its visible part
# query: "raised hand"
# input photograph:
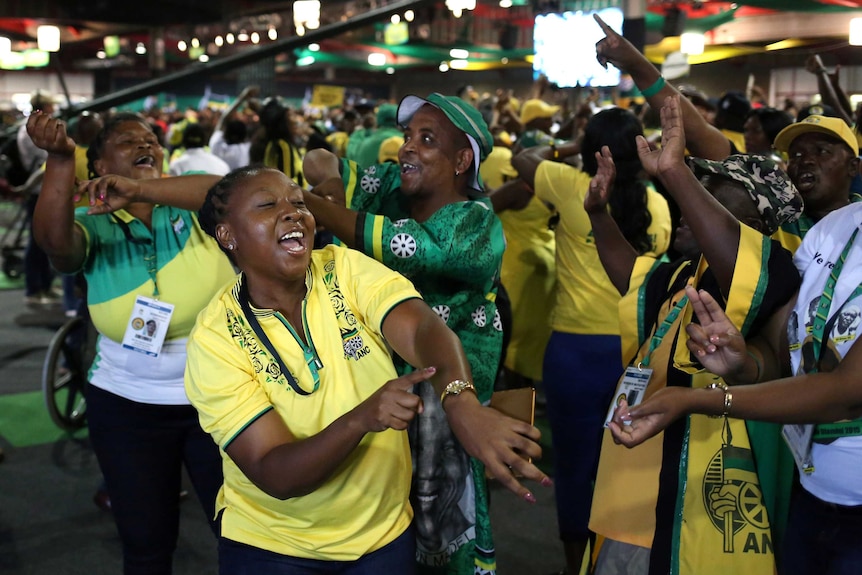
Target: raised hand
(716, 342)
(814, 64)
(49, 134)
(110, 193)
(393, 406)
(615, 49)
(601, 184)
(671, 154)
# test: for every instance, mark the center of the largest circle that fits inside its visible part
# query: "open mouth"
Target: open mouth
(147, 161)
(293, 241)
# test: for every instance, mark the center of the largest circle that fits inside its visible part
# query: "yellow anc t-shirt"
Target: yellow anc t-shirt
(232, 380)
(586, 301)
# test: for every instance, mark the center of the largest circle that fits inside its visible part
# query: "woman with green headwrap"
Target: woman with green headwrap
(429, 218)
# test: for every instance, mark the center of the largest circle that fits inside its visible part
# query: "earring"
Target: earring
(457, 173)
(231, 247)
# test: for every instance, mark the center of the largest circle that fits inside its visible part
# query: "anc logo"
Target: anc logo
(732, 496)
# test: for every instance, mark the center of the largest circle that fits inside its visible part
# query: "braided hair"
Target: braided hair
(97, 146)
(215, 207)
(616, 128)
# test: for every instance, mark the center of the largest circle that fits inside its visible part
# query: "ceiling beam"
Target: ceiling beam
(248, 56)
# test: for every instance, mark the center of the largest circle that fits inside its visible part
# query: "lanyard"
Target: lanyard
(662, 330)
(150, 259)
(264, 340)
(821, 324)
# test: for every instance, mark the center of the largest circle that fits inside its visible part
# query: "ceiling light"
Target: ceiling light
(409, 15)
(48, 38)
(230, 38)
(272, 34)
(300, 30)
(856, 32)
(458, 64)
(242, 36)
(691, 43)
(314, 47)
(505, 3)
(395, 19)
(390, 70)
(458, 6)
(5, 46)
(13, 61)
(443, 67)
(459, 53)
(181, 46)
(204, 58)
(196, 43)
(255, 38)
(140, 49)
(377, 59)
(101, 55)
(306, 14)
(219, 41)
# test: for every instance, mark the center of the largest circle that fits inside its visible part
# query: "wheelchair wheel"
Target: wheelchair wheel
(13, 266)
(64, 373)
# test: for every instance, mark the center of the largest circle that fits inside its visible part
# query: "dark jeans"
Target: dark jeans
(141, 449)
(38, 275)
(822, 538)
(397, 558)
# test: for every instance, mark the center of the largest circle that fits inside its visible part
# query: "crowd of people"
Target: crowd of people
(311, 316)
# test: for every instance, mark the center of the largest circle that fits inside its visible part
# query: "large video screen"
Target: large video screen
(565, 48)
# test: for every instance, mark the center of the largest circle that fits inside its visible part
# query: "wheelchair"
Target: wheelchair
(64, 372)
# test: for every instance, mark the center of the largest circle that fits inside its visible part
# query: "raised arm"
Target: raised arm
(830, 88)
(319, 165)
(615, 252)
(716, 229)
(111, 193)
(512, 195)
(527, 161)
(54, 226)
(248, 92)
(418, 335)
(705, 141)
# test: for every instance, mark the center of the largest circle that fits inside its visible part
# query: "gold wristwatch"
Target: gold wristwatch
(456, 387)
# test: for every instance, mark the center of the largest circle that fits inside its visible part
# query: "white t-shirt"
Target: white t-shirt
(198, 160)
(837, 465)
(236, 155)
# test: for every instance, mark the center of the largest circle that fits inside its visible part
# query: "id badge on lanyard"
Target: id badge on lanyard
(148, 326)
(631, 387)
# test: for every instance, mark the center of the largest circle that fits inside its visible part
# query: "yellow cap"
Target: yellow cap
(835, 127)
(389, 149)
(532, 109)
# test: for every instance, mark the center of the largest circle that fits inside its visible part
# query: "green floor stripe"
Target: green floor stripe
(24, 420)
(6, 283)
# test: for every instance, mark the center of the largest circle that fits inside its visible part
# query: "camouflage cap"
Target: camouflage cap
(769, 187)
